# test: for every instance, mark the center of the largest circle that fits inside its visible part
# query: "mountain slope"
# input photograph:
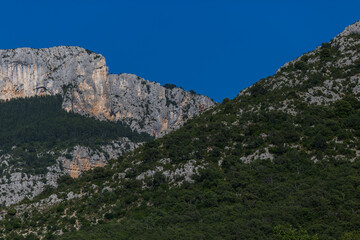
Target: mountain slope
(83, 78)
(280, 160)
(40, 141)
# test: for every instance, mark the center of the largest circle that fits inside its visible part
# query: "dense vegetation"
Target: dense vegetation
(31, 127)
(280, 161)
(241, 201)
(288, 196)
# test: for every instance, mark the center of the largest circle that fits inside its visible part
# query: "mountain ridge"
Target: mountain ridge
(80, 79)
(83, 78)
(279, 161)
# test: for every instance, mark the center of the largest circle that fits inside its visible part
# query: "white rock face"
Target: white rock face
(353, 28)
(82, 77)
(15, 185)
(84, 158)
(19, 185)
(26, 72)
(149, 107)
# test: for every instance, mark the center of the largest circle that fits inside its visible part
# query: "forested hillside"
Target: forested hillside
(36, 134)
(38, 124)
(280, 161)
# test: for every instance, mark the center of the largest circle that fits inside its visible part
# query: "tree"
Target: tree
(351, 236)
(300, 65)
(318, 142)
(169, 86)
(290, 233)
(343, 108)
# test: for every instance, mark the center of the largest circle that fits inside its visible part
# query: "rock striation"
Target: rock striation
(83, 78)
(15, 185)
(84, 158)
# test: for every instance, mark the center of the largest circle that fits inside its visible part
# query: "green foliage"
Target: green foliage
(290, 233)
(170, 86)
(65, 180)
(327, 52)
(236, 200)
(192, 92)
(89, 51)
(225, 100)
(264, 172)
(233, 200)
(355, 235)
(257, 90)
(343, 108)
(244, 201)
(38, 125)
(300, 65)
(318, 142)
(65, 88)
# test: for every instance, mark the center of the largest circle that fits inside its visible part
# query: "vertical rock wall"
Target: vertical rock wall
(81, 76)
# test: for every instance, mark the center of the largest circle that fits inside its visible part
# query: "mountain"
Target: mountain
(279, 161)
(63, 113)
(82, 77)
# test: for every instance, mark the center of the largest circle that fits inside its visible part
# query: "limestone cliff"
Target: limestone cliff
(82, 77)
(16, 184)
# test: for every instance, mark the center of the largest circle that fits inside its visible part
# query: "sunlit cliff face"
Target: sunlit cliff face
(83, 79)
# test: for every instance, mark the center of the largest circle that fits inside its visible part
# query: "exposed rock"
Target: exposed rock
(83, 79)
(81, 76)
(187, 171)
(85, 158)
(16, 185)
(265, 154)
(352, 29)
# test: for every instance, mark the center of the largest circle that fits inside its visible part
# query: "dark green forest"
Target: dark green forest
(244, 201)
(289, 197)
(271, 165)
(37, 125)
(238, 202)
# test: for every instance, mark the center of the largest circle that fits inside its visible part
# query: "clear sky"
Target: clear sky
(216, 48)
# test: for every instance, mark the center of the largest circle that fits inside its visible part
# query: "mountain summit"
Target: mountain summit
(43, 92)
(82, 78)
(279, 161)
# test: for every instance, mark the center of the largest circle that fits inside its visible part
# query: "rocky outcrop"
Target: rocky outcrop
(81, 76)
(351, 29)
(84, 158)
(83, 79)
(15, 184)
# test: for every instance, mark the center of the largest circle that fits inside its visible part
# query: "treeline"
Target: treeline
(38, 124)
(290, 198)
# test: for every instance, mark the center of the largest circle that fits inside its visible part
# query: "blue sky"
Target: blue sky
(216, 48)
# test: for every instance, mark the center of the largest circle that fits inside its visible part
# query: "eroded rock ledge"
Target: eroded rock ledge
(83, 78)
